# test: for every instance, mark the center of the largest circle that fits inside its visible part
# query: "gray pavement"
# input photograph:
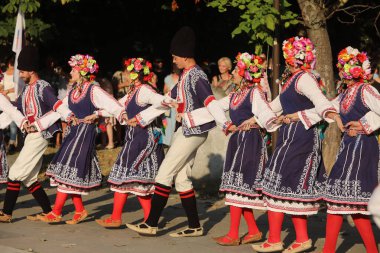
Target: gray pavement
(25, 236)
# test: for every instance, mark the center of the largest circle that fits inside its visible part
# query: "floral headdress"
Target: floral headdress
(250, 67)
(139, 65)
(354, 64)
(299, 52)
(85, 64)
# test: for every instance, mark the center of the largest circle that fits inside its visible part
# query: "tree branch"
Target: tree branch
(359, 8)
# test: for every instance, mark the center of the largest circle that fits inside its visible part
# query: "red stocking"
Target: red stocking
(145, 202)
(333, 225)
(119, 200)
(275, 225)
(251, 222)
(235, 215)
(77, 201)
(363, 224)
(300, 226)
(60, 200)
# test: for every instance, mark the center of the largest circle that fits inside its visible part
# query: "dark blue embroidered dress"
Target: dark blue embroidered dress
(75, 167)
(356, 171)
(246, 156)
(138, 162)
(294, 175)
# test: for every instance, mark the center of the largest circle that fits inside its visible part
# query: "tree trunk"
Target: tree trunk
(315, 22)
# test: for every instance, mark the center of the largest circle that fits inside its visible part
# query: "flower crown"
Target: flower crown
(85, 64)
(299, 52)
(354, 64)
(136, 65)
(250, 67)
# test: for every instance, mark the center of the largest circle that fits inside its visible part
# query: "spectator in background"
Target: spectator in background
(64, 86)
(159, 70)
(8, 89)
(110, 122)
(376, 77)
(169, 121)
(222, 83)
(264, 81)
(121, 82)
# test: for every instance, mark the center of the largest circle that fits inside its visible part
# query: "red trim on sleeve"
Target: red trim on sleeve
(57, 104)
(208, 100)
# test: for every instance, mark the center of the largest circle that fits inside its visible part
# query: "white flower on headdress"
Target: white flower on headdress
(355, 52)
(246, 56)
(366, 67)
(349, 50)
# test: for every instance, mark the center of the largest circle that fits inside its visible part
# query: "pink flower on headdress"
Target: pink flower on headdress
(299, 45)
(356, 72)
(241, 65)
(138, 65)
(247, 76)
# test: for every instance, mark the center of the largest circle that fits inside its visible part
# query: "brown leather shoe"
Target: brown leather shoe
(109, 223)
(227, 241)
(252, 238)
(50, 218)
(35, 217)
(78, 217)
(6, 218)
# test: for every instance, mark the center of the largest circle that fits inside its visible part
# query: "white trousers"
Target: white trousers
(178, 161)
(29, 161)
(374, 205)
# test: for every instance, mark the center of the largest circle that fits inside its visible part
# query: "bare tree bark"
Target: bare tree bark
(315, 21)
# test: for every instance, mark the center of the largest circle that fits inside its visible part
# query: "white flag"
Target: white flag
(18, 41)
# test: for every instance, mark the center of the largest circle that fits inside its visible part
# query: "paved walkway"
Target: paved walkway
(24, 236)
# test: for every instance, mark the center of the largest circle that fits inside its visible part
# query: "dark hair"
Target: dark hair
(10, 60)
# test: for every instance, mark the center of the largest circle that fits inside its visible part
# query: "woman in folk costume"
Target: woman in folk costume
(355, 173)
(246, 151)
(141, 156)
(75, 168)
(293, 176)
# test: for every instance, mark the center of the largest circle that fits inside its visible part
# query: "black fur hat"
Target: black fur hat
(28, 59)
(183, 43)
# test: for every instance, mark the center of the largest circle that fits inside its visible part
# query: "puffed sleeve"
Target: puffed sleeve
(202, 115)
(308, 86)
(204, 94)
(12, 112)
(264, 115)
(102, 100)
(276, 106)
(370, 122)
(5, 120)
(371, 98)
(62, 107)
(147, 95)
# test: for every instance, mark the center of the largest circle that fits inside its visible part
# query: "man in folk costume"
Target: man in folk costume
(192, 91)
(9, 114)
(37, 99)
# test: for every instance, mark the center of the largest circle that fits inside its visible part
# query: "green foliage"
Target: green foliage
(36, 28)
(258, 19)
